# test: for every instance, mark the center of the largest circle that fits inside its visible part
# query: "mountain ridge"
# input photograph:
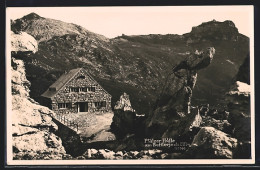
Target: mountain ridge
(136, 65)
(39, 26)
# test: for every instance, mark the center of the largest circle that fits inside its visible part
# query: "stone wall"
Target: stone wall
(66, 96)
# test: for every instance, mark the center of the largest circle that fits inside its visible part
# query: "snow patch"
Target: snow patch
(240, 88)
(243, 87)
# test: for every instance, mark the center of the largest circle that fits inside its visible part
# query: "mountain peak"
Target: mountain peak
(230, 23)
(213, 24)
(43, 29)
(31, 16)
(215, 30)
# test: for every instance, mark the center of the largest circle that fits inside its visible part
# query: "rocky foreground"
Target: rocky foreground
(208, 132)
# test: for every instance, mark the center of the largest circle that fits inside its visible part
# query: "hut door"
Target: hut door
(83, 107)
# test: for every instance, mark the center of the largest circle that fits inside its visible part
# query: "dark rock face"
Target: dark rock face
(175, 99)
(243, 74)
(243, 150)
(123, 123)
(238, 100)
(210, 143)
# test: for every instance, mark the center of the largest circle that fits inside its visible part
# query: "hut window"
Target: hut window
(74, 89)
(63, 105)
(100, 104)
(92, 89)
(84, 89)
(96, 104)
(103, 104)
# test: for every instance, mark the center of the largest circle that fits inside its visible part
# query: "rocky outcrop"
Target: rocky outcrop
(174, 102)
(124, 117)
(127, 126)
(124, 103)
(210, 143)
(33, 130)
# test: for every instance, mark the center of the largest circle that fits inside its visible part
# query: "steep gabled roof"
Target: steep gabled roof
(63, 80)
(60, 83)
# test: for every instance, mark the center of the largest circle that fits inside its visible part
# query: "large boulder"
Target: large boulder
(23, 42)
(243, 74)
(38, 142)
(185, 128)
(210, 143)
(222, 125)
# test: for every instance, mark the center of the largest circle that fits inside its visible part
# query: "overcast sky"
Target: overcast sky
(115, 21)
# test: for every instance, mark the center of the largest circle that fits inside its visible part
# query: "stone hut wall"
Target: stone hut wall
(81, 80)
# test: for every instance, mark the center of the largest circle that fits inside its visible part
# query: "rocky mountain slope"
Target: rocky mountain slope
(136, 65)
